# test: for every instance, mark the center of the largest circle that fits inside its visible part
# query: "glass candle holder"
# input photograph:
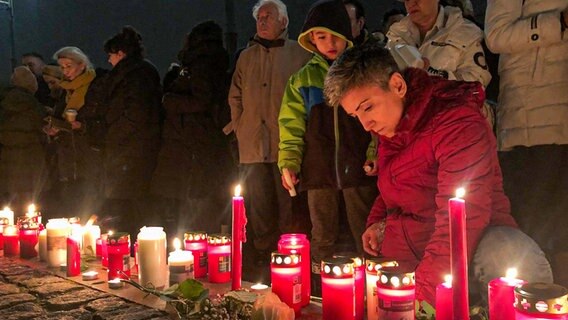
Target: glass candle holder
(359, 267)
(180, 264)
(299, 243)
(29, 237)
(56, 235)
(73, 256)
(372, 266)
(42, 239)
(118, 250)
(286, 277)
(11, 238)
(501, 295)
(196, 242)
(104, 250)
(99, 248)
(152, 257)
(4, 221)
(219, 256)
(395, 293)
(338, 288)
(535, 301)
(8, 214)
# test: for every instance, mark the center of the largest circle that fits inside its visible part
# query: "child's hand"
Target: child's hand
(293, 179)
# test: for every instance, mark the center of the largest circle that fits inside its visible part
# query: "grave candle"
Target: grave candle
(73, 256)
(458, 256)
(338, 288)
(299, 243)
(118, 250)
(9, 214)
(395, 293)
(104, 251)
(196, 242)
(501, 295)
(541, 301)
(372, 267)
(29, 237)
(152, 264)
(180, 263)
(57, 232)
(115, 284)
(11, 246)
(238, 237)
(90, 276)
(219, 256)
(286, 277)
(43, 245)
(99, 248)
(359, 267)
(3, 223)
(444, 298)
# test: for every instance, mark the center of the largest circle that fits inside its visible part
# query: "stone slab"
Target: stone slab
(24, 311)
(6, 288)
(107, 304)
(41, 281)
(11, 300)
(74, 299)
(132, 313)
(56, 288)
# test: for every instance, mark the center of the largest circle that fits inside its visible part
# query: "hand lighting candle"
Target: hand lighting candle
(372, 267)
(57, 232)
(29, 237)
(359, 268)
(299, 243)
(196, 242)
(73, 256)
(285, 274)
(501, 295)
(238, 237)
(180, 264)
(152, 263)
(458, 247)
(219, 255)
(541, 301)
(444, 298)
(395, 293)
(11, 245)
(338, 288)
(118, 250)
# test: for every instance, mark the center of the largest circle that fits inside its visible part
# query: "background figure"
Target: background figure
(132, 140)
(22, 157)
(257, 87)
(34, 61)
(195, 169)
(389, 18)
(359, 30)
(532, 117)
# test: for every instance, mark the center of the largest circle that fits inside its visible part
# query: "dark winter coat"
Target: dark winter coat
(132, 128)
(22, 160)
(442, 142)
(194, 160)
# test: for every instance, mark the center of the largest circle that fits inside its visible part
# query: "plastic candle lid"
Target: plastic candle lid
(545, 298)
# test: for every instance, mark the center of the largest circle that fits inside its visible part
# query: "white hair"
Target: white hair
(280, 6)
(74, 54)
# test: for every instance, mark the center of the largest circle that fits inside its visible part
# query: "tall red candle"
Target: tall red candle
(286, 277)
(395, 293)
(196, 242)
(338, 288)
(219, 255)
(11, 245)
(29, 236)
(444, 298)
(501, 295)
(359, 282)
(238, 237)
(299, 243)
(118, 251)
(73, 256)
(458, 259)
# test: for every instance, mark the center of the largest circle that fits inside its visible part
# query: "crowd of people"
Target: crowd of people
(323, 115)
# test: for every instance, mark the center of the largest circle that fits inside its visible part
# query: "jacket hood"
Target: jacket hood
(24, 78)
(326, 15)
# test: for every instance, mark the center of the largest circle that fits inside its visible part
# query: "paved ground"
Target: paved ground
(30, 293)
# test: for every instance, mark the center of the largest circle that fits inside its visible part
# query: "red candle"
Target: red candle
(99, 249)
(395, 293)
(219, 252)
(29, 235)
(239, 236)
(458, 259)
(338, 288)
(118, 250)
(104, 251)
(501, 295)
(359, 282)
(196, 242)
(444, 298)
(3, 222)
(541, 301)
(372, 267)
(286, 276)
(11, 245)
(73, 256)
(299, 243)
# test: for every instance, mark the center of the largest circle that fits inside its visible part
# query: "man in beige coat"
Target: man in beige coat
(260, 77)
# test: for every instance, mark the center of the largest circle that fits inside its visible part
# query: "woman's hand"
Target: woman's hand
(294, 179)
(371, 167)
(75, 125)
(373, 237)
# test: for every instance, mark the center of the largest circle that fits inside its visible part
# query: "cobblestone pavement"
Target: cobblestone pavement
(28, 293)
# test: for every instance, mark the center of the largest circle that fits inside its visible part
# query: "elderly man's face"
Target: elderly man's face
(35, 64)
(268, 23)
(378, 110)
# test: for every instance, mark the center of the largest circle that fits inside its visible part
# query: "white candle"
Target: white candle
(42, 245)
(90, 275)
(9, 214)
(180, 264)
(152, 267)
(115, 284)
(57, 232)
(90, 235)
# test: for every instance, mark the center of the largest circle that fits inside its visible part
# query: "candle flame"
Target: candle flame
(511, 273)
(460, 192)
(238, 190)
(177, 244)
(110, 232)
(31, 209)
(448, 280)
(6, 209)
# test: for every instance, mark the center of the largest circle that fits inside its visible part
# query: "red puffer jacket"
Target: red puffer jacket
(442, 142)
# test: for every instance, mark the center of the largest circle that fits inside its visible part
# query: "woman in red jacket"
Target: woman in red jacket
(433, 140)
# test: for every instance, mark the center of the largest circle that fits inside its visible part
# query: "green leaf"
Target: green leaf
(191, 289)
(428, 309)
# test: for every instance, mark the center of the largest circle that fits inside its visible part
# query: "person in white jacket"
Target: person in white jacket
(531, 37)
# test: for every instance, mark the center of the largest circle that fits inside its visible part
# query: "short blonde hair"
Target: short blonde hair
(74, 54)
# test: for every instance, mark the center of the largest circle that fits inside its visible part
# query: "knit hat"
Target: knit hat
(52, 71)
(24, 78)
(329, 16)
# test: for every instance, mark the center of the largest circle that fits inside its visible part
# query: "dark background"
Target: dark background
(45, 26)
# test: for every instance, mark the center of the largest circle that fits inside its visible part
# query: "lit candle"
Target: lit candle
(219, 252)
(34, 215)
(11, 246)
(501, 295)
(444, 298)
(372, 267)
(259, 287)
(57, 232)
(337, 288)
(395, 293)
(29, 237)
(73, 256)
(90, 275)
(458, 258)
(9, 214)
(118, 250)
(43, 245)
(196, 242)
(238, 237)
(115, 284)
(91, 233)
(99, 248)
(3, 223)
(299, 243)
(286, 277)
(104, 251)
(359, 282)
(152, 255)
(541, 301)
(180, 264)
